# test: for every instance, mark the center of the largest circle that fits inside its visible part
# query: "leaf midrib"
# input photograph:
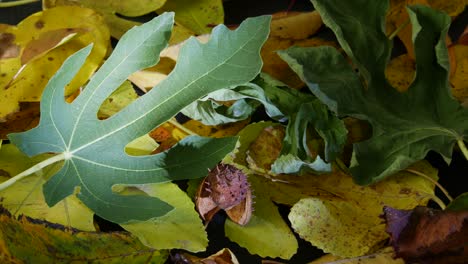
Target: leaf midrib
(98, 87)
(163, 102)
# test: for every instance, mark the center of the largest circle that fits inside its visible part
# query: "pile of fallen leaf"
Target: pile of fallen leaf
(155, 134)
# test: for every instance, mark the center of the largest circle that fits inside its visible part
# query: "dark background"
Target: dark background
(451, 176)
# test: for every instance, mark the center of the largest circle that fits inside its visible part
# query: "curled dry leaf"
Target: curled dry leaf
(426, 235)
(226, 187)
(224, 256)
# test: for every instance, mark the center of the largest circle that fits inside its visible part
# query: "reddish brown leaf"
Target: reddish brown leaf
(426, 235)
(226, 187)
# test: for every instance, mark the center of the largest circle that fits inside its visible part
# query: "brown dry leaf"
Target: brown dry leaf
(8, 48)
(295, 25)
(28, 240)
(26, 118)
(47, 41)
(224, 256)
(426, 235)
(226, 187)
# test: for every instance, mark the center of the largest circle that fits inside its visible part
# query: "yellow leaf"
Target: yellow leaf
(459, 80)
(27, 240)
(198, 16)
(119, 99)
(400, 72)
(25, 197)
(266, 234)
(347, 223)
(180, 228)
(279, 69)
(383, 256)
(453, 7)
(110, 8)
(295, 25)
(398, 19)
(219, 131)
(27, 86)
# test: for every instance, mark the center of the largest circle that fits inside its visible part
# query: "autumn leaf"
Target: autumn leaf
(403, 190)
(428, 235)
(224, 256)
(110, 10)
(44, 40)
(383, 256)
(180, 228)
(101, 152)
(266, 234)
(31, 240)
(197, 16)
(405, 125)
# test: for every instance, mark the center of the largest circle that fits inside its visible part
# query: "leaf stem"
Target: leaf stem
(400, 28)
(17, 3)
(449, 197)
(174, 122)
(438, 201)
(463, 148)
(39, 166)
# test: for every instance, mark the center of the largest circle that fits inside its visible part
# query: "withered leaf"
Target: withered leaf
(226, 187)
(427, 235)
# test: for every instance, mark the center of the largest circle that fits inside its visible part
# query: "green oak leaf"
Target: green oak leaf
(406, 126)
(93, 149)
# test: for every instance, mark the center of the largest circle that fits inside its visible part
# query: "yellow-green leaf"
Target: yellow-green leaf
(347, 222)
(198, 16)
(27, 240)
(110, 8)
(266, 234)
(27, 86)
(180, 228)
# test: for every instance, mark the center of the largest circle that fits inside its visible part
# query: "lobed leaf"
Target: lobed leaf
(93, 149)
(406, 126)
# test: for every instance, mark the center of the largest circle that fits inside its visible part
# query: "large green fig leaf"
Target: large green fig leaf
(93, 149)
(406, 126)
